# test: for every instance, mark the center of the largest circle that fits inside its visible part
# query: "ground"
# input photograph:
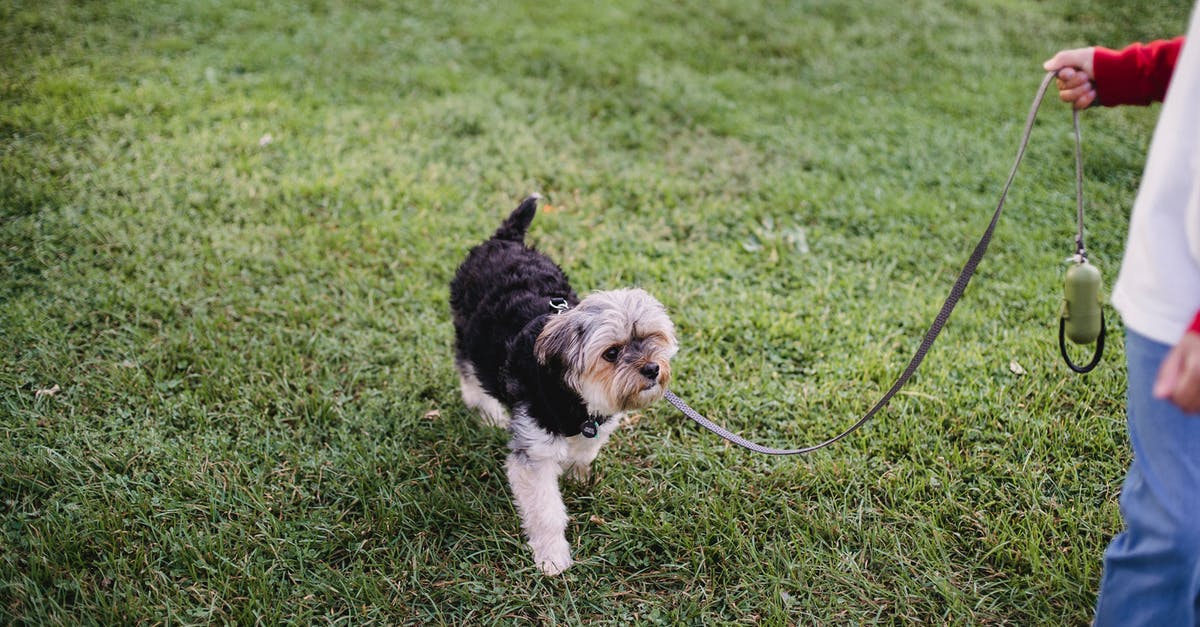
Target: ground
(226, 233)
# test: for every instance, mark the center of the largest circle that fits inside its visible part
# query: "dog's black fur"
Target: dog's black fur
(501, 298)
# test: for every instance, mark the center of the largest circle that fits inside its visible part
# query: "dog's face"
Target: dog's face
(615, 349)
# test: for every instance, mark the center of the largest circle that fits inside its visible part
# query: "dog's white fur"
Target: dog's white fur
(533, 478)
(491, 411)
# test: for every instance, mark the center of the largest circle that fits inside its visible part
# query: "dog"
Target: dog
(557, 371)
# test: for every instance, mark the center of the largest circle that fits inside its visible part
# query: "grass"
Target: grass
(227, 232)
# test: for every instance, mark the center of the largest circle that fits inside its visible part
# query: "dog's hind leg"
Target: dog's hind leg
(491, 411)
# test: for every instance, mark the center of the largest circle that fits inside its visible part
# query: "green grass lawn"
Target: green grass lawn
(227, 231)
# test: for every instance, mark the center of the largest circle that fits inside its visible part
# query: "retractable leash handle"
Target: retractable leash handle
(943, 315)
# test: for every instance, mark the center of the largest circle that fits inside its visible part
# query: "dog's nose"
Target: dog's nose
(650, 371)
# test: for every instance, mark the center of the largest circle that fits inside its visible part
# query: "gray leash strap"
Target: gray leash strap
(956, 292)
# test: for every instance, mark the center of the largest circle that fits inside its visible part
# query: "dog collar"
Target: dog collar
(591, 427)
(559, 305)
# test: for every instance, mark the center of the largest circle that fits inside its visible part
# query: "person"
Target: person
(1151, 570)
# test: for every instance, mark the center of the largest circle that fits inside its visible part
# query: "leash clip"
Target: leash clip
(559, 305)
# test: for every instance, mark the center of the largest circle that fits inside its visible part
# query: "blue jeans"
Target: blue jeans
(1152, 568)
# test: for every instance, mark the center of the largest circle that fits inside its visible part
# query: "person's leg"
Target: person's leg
(1152, 568)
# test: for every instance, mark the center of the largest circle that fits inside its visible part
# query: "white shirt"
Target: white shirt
(1158, 289)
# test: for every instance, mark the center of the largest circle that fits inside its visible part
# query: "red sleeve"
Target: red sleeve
(1138, 74)
(1195, 328)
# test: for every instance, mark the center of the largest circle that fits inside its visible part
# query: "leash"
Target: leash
(943, 315)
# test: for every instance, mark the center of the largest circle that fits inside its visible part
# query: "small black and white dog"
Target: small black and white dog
(564, 369)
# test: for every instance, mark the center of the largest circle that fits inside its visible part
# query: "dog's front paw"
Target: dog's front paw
(581, 474)
(553, 560)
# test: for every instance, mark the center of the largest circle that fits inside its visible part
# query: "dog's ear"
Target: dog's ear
(558, 341)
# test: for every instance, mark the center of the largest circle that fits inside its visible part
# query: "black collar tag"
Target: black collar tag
(589, 428)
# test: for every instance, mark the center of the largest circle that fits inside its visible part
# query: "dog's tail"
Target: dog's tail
(514, 227)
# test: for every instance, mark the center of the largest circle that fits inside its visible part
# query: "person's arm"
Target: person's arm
(1136, 74)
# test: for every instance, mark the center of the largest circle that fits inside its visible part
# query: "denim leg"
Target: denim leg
(1152, 568)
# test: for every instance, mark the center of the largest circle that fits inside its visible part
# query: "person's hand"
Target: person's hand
(1179, 376)
(1075, 76)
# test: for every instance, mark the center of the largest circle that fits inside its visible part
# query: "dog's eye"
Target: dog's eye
(611, 354)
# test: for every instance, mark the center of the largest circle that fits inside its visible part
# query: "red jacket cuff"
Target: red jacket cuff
(1138, 74)
(1195, 328)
